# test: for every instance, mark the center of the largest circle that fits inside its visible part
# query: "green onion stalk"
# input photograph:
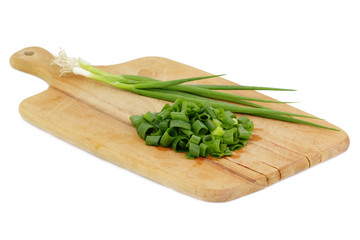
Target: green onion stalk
(173, 89)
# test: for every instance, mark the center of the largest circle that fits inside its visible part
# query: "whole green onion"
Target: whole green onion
(237, 87)
(174, 89)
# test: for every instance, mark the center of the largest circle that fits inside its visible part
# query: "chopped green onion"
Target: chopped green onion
(179, 116)
(208, 138)
(194, 149)
(149, 116)
(180, 144)
(180, 124)
(231, 136)
(195, 139)
(236, 146)
(135, 119)
(243, 119)
(199, 128)
(204, 117)
(152, 140)
(163, 114)
(216, 145)
(145, 129)
(243, 133)
(188, 133)
(168, 137)
(163, 125)
(227, 119)
(204, 150)
(210, 125)
(218, 131)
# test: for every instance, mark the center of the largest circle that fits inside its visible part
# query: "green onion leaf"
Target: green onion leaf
(238, 87)
(163, 84)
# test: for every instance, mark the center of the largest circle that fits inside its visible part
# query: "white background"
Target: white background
(52, 190)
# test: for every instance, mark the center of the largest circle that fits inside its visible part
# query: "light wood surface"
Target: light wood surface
(95, 117)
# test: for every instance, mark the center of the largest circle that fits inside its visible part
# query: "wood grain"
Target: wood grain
(95, 117)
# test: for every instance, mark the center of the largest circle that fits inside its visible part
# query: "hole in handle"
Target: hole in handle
(29, 53)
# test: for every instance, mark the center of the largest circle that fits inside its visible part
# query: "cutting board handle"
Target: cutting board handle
(35, 61)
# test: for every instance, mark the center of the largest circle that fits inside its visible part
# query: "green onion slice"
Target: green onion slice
(145, 129)
(168, 137)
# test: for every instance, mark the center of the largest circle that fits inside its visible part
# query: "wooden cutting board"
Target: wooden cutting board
(95, 117)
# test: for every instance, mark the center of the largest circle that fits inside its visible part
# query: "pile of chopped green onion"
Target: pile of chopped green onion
(199, 130)
(174, 89)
